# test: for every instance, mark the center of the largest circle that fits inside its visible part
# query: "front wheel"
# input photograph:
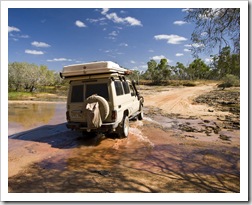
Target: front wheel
(141, 114)
(123, 128)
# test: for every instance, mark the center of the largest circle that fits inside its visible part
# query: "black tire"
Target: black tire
(103, 105)
(123, 128)
(141, 114)
(88, 134)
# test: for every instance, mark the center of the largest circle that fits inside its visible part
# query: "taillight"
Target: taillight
(67, 116)
(114, 115)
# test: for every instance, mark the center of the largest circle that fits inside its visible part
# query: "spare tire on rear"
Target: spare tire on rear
(103, 105)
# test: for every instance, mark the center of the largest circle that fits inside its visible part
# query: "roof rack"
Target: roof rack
(93, 69)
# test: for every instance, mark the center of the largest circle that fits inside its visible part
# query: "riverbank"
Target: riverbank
(35, 102)
(40, 96)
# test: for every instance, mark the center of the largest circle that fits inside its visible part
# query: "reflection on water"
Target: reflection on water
(29, 115)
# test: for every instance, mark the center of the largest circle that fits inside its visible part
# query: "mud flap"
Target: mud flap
(93, 116)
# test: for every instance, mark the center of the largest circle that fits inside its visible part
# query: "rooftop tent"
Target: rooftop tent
(93, 68)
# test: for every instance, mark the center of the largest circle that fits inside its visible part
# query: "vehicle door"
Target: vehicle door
(134, 99)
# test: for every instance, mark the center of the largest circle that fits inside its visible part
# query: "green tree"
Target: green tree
(215, 27)
(16, 75)
(135, 75)
(25, 76)
(158, 72)
(198, 70)
(181, 71)
(32, 77)
(150, 71)
(225, 63)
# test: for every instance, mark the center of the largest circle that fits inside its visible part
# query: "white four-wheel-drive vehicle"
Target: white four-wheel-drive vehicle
(100, 98)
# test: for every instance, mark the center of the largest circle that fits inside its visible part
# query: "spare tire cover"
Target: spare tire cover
(103, 105)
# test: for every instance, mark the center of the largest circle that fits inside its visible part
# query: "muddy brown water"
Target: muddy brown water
(161, 154)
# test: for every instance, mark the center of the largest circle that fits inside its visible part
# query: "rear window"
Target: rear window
(77, 93)
(99, 89)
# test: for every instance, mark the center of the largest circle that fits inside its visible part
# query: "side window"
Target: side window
(77, 94)
(118, 87)
(126, 87)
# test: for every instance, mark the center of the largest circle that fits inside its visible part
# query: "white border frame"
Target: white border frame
(242, 196)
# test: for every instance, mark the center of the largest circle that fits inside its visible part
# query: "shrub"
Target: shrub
(229, 81)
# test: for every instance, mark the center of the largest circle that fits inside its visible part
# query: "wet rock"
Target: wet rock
(191, 136)
(186, 128)
(228, 100)
(224, 137)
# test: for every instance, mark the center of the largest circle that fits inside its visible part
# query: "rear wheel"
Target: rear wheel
(123, 128)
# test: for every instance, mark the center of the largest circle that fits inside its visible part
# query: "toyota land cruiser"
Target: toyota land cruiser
(103, 102)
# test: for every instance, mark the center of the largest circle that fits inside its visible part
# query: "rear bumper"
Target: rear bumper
(111, 126)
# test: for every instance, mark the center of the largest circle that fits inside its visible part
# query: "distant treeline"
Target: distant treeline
(29, 77)
(221, 66)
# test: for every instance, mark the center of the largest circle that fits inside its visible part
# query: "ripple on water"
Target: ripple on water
(140, 137)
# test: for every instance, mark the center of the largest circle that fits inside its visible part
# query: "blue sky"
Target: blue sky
(128, 36)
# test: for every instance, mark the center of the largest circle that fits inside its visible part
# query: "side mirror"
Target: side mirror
(61, 75)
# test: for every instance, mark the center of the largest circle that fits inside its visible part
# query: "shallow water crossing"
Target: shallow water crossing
(161, 154)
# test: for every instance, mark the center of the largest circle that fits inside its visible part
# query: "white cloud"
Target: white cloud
(208, 60)
(214, 12)
(123, 44)
(187, 10)
(80, 24)
(158, 58)
(151, 51)
(23, 36)
(187, 50)
(172, 39)
(59, 60)
(122, 12)
(197, 45)
(132, 21)
(100, 21)
(12, 28)
(179, 54)
(111, 37)
(116, 19)
(40, 44)
(18, 36)
(34, 52)
(143, 66)
(104, 11)
(180, 23)
(133, 62)
(113, 33)
(203, 34)
(188, 45)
